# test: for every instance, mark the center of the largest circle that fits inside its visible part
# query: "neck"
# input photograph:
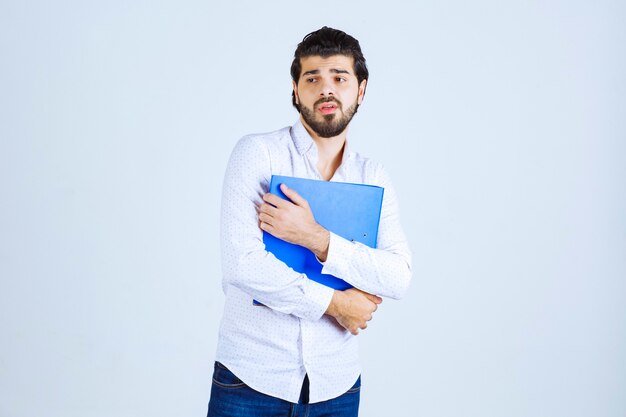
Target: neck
(328, 147)
(329, 151)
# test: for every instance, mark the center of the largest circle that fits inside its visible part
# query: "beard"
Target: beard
(331, 125)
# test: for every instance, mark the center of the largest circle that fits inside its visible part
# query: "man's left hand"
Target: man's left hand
(293, 222)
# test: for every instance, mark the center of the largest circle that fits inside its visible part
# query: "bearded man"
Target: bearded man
(298, 353)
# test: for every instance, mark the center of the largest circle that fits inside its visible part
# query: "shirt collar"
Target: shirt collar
(301, 137)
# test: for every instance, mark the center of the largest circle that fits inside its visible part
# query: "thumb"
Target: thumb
(293, 195)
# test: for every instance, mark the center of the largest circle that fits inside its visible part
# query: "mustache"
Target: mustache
(327, 100)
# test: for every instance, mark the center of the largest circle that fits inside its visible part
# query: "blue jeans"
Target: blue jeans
(230, 397)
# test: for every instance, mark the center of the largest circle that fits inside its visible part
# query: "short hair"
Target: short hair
(326, 42)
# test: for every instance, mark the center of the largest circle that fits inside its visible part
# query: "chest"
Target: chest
(289, 162)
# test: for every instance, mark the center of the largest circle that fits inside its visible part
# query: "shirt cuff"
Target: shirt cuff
(340, 253)
(316, 300)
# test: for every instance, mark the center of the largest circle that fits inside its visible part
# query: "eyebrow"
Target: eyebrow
(333, 70)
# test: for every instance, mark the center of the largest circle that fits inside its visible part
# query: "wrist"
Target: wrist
(319, 243)
(333, 307)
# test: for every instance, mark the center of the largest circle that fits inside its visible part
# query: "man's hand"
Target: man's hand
(353, 308)
(293, 222)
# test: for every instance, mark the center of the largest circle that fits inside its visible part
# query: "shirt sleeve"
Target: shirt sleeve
(384, 270)
(245, 262)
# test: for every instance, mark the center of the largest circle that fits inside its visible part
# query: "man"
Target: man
(298, 354)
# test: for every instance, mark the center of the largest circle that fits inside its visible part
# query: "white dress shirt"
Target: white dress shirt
(271, 348)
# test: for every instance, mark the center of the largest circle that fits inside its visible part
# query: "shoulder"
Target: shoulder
(257, 141)
(255, 156)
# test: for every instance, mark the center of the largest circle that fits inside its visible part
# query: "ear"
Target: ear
(295, 91)
(361, 91)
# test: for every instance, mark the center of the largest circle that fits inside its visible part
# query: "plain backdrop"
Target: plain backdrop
(502, 123)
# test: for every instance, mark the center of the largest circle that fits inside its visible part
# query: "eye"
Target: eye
(340, 80)
(310, 80)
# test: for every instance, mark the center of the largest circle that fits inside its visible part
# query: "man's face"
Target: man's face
(328, 93)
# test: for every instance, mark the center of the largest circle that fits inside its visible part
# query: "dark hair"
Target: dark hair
(326, 42)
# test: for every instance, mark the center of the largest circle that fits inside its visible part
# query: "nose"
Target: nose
(327, 88)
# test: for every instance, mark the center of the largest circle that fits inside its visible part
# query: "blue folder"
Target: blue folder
(351, 211)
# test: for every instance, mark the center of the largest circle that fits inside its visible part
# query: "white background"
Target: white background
(503, 125)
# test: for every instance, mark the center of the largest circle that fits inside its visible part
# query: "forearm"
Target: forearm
(318, 242)
(385, 272)
(269, 281)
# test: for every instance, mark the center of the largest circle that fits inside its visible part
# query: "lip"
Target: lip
(327, 108)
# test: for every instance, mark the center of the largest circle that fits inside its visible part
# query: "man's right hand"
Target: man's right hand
(353, 308)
